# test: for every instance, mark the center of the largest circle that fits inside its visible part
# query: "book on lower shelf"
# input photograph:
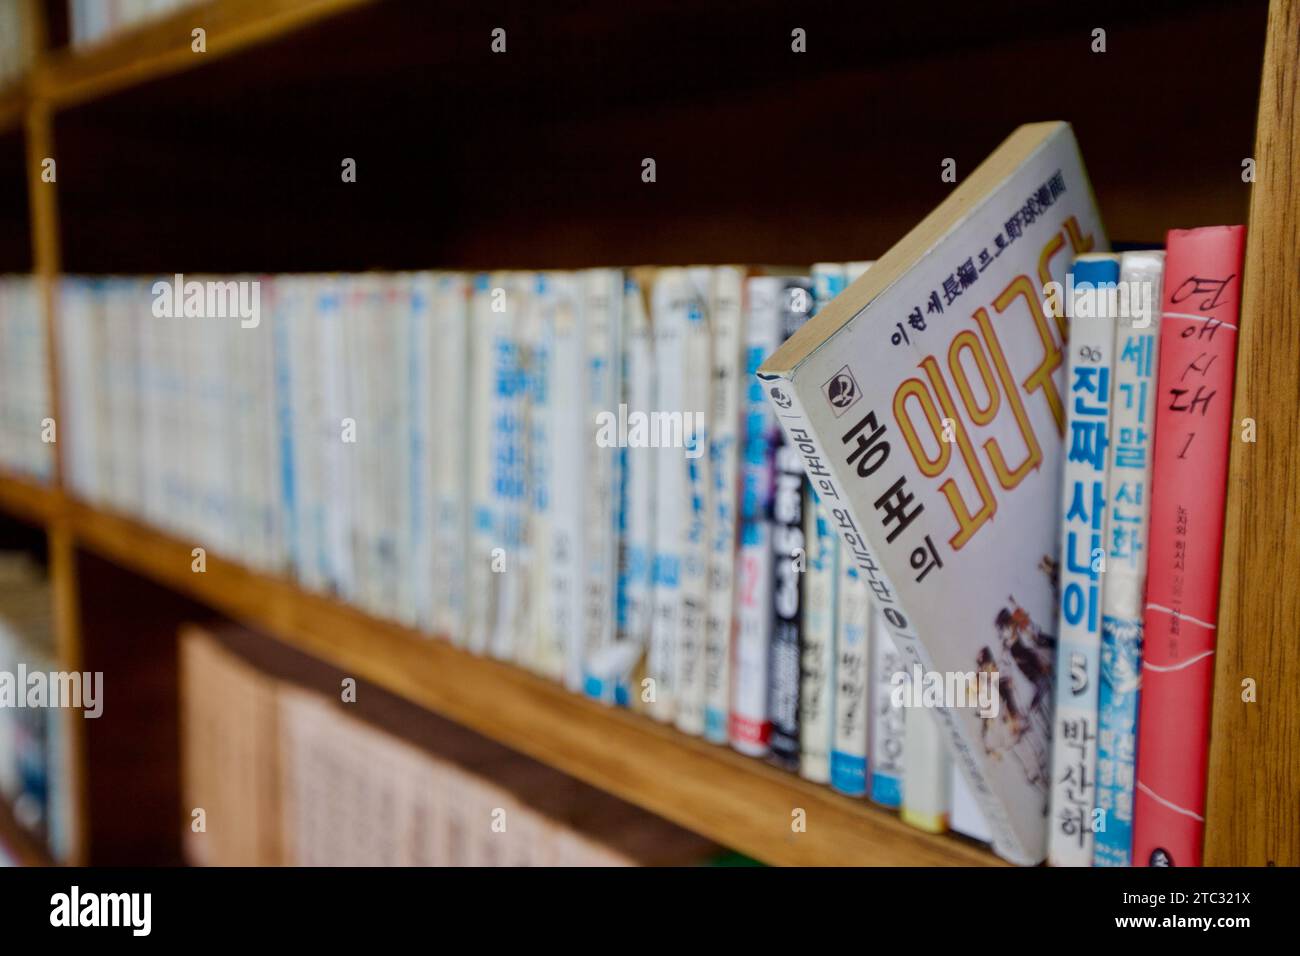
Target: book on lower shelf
(277, 774)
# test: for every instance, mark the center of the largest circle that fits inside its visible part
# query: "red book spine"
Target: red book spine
(1200, 307)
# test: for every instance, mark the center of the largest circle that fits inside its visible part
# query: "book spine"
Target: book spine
(543, 570)
(1083, 508)
(283, 303)
(608, 674)
(887, 733)
(789, 562)
(817, 691)
(749, 727)
(509, 459)
(817, 716)
(852, 652)
(825, 473)
(487, 561)
(726, 319)
(688, 658)
(1128, 475)
(562, 660)
(927, 770)
(602, 317)
(670, 493)
(1198, 348)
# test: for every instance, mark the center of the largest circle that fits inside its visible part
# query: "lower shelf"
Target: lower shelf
(735, 800)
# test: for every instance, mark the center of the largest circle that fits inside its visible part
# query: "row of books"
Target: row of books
(1150, 372)
(274, 774)
(90, 21)
(573, 471)
(33, 744)
(1014, 426)
(27, 431)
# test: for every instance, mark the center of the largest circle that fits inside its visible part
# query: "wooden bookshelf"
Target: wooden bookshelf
(179, 137)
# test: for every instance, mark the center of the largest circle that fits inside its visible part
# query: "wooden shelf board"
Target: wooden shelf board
(740, 802)
(161, 47)
(28, 501)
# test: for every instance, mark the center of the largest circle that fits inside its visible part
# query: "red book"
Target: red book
(1200, 308)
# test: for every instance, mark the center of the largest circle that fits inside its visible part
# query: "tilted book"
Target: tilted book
(1198, 355)
(946, 337)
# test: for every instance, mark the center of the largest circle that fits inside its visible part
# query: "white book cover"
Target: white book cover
(608, 673)
(334, 498)
(602, 316)
(885, 760)
(927, 771)
(818, 652)
(669, 311)
(853, 638)
(821, 585)
(749, 725)
(964, 815)
(482, 581)
(1128, 475)
(726, 320)
(540, 355)
(509, 437)
(560, 653)
(450, 447)
(1083, 506)
(697, 369)
(431, 475)
(950, 325)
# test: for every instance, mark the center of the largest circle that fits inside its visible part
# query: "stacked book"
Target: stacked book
(33, 746)
(27, 428)
(278, 775)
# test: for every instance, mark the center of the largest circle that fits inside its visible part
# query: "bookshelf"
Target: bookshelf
(178, 137)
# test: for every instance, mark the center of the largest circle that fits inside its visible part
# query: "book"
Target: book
(670, 304)
(697, 382)
(818, 651)
(927, 771)
(1128, 471)
(885, 759)
(486, 560)
(602, 305)
(563, 660)
(1084, 503)
(1200, 314)
(862, 392)
(609, 672)
(726, 320)
(789, 561)
(448, 450)
(749, 726)
(964, 814)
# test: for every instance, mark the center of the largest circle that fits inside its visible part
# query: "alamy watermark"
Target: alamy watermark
(652, 430)
(921, 688)
(213, 299)
(79, 690)
(1133, 301)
